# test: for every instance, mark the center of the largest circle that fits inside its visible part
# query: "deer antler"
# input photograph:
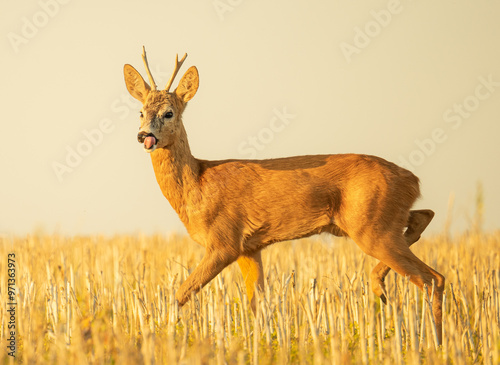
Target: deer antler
(178, 65)
(150, 76)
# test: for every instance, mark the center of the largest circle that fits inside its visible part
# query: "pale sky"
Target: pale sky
(415, 82)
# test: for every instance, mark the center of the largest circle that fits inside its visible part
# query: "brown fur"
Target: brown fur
(235, 208)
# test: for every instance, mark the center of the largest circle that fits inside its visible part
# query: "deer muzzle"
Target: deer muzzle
(149, 141)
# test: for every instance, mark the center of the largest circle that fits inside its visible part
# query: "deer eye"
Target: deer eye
(141, 115)
(168, 115)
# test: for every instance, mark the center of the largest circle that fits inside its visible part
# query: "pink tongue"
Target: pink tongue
(149, 142)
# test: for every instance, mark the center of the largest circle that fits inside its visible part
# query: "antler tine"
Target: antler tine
(150, 76)
(178, 66)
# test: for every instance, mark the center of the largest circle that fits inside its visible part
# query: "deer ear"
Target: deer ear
(188, 85)
(136, 85)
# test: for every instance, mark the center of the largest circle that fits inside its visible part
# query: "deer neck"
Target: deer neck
(177, 173)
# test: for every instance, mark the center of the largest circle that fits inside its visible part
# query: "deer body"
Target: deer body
(235, 208)
(267, 201)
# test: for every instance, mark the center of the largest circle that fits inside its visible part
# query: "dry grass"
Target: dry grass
(110, 300)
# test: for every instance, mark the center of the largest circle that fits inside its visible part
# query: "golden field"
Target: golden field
(109, 300)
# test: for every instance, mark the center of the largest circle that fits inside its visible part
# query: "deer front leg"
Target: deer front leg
(210, 266)
(253, 274)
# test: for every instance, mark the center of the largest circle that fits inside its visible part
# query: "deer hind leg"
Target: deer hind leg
(417, 223)
(253, 275)
(210, 266)
(395, 253)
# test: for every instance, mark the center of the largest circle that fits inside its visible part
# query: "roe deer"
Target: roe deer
(235, 208)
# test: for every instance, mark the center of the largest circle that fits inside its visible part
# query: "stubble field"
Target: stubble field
(110, 300)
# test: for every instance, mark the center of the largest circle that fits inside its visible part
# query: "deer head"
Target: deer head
(161, 113)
